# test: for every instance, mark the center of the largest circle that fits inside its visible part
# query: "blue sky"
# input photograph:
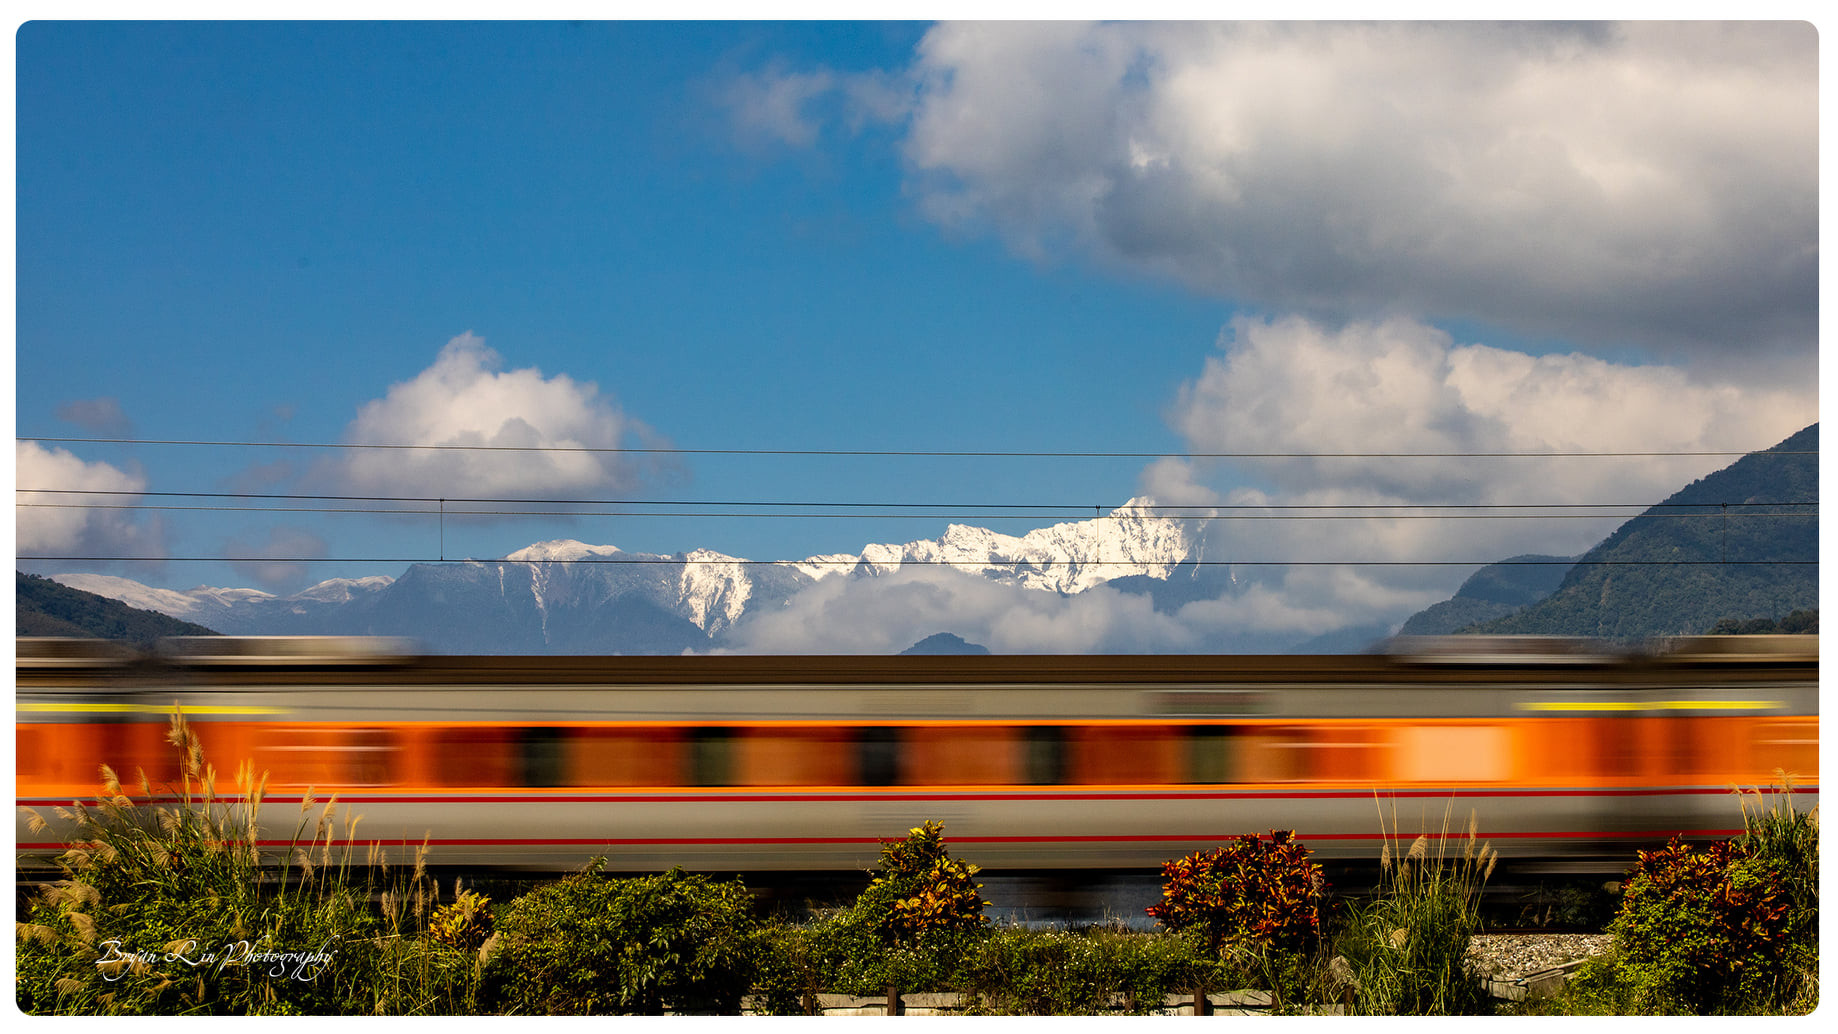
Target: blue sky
(861, 236)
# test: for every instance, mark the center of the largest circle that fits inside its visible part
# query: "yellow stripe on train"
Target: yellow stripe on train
(164, 709)
(1651, 705)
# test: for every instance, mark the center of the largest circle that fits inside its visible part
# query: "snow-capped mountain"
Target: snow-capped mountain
(202, 605)
(565, 596)
(321, 609)
(1065, 558)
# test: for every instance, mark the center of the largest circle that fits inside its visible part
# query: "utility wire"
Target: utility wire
(450, 512)
(649, 560)
(941, 454)
(1181, 510)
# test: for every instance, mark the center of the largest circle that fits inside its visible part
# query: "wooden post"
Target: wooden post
(894, 1008)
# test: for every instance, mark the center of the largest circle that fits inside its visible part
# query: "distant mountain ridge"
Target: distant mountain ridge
(944, 644)
(1741, 543)
(1492, 592)
(1736, 545)
(43, 607)
(565, 596)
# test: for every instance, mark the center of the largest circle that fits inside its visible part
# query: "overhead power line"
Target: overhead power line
(793, 515)
(967, 511)
(916, 453)
(649, 560)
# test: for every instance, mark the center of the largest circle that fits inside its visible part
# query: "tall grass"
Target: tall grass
(1788, 840)
(171, 908)
(1406, 947)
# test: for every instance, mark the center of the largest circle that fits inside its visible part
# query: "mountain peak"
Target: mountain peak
(561, 549)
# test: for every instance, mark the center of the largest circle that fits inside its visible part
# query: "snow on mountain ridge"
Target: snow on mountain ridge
(569, 589)
(713, 588)
(561, 549)
(191, 605)
(343, 590)
(823, 565)
(1069, 557)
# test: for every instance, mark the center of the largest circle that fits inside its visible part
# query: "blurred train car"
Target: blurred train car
(1568, 753)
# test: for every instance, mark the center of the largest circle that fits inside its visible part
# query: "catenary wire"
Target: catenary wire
(681, 559)
(1182, 511)
(918, 453)
(680, 514)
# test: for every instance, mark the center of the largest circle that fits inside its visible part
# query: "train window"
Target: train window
(1124, 755)
(1616, 746)
(710, 757)
(1791, 746)
(1453, 753)
(878, 756)
(326, 756)
(472, 756)
(603, 756)
(1209, 754)
(1045, 755)
(1350, 752)
(1275, 754)
(960, 755)
(542, 756)
(372, 756)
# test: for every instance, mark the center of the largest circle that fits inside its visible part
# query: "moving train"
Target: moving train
(1569, 752)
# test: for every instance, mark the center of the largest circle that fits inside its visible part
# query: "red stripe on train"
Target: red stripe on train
(822, 798)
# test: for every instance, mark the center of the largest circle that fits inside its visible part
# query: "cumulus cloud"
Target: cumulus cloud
(1410, 524)
(1644, 183)
(282, 556)
(1293, 386)
(465, 399)
(75, 531)
(100, 415)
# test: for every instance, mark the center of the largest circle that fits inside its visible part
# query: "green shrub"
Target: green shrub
(1020, 972)
(1406, 948)
(912, 927)
(920, 890)
(591, 944)
(789, 971)
(1705, 930)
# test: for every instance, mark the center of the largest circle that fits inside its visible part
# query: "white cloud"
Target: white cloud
(463, 399)
(1650, 183)
(1291, 385)
(887, 614)
(1295, 386)
(66, 530)
(1398, 386)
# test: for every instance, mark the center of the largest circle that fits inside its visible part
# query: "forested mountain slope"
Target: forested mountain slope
(1742, 543)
